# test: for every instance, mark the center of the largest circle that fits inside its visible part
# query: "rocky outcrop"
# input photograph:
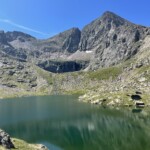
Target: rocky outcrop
(5, 140)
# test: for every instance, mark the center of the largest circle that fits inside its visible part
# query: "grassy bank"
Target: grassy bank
(22, 145)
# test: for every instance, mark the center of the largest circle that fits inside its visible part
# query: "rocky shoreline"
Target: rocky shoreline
(10, 143)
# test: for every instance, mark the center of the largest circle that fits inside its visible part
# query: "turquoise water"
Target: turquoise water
(61, 122)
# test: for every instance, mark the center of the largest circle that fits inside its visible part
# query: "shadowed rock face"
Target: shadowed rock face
(2, 38)
(63, 66)
(66, 41)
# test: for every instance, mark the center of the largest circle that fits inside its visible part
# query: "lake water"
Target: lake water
(61, 122)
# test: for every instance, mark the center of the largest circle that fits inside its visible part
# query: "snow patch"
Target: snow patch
(88, 52)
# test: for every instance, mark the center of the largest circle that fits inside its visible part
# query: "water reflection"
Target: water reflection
(75, 126)
(136, 110)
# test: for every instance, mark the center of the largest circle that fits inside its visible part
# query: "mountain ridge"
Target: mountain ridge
(108, 37)
(108, 58)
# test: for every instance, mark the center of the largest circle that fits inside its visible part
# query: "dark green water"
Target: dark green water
(70, 125)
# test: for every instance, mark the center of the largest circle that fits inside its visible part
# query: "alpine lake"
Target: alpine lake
(63, 123)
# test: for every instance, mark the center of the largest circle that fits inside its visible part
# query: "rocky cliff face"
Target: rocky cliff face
(66, 41)
(63, 66)
(112, 39)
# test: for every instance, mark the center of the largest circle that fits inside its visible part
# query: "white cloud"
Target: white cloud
(22, 27)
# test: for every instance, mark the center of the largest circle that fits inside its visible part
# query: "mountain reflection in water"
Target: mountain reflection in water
(70, 125)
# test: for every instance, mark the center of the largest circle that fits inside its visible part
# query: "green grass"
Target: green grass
(105, 73)
(76, 92)
(143, 70)
(22, 145)
(45, 75)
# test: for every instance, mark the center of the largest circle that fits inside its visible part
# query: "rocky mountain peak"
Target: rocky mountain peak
(11, 36)
(66, 41)
(108, 22)
(110, 17)
(72, 41)
(109, 13)
(73, 30)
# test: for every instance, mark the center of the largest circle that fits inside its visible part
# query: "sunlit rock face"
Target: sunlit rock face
(112, 39)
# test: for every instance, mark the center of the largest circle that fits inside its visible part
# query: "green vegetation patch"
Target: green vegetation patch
(22, 145)
(145, 70)
(105, 73)
(45, 75)
(76, 92)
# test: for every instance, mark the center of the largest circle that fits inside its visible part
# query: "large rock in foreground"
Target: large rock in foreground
(5, 140)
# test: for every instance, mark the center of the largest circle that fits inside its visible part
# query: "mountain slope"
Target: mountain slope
(107, 59)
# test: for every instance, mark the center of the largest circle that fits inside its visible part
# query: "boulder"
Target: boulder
(136, 97)
(33, 85)
(10, 72)
(10, 85)
(20, 67)
(42, 147)
(138, 92)
(5, 140)
(20, 80)
(140, 104)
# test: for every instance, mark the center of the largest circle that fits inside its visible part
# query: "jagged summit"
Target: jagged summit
(66, 41)
(67, 32)
(110, 17)
(16, 34)
(112, 39)
(109, 14)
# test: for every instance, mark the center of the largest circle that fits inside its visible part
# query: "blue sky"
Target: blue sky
(45, 18)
